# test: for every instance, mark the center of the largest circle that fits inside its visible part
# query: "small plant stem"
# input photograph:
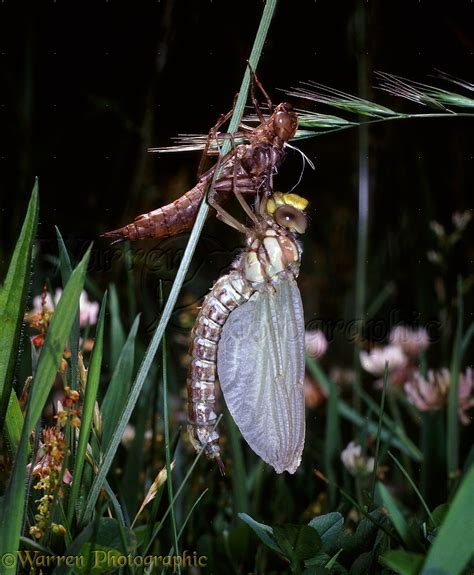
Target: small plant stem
(363, 197)
(166, 426)
(452, 444)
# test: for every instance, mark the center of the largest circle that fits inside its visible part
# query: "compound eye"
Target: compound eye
(290, 218)
(285, 124)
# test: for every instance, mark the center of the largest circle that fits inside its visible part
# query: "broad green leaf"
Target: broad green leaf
(402, 562)
(12, 308)
(454, 543)
(66, 271)
(321, 559)
(330, 530)
(93, 379)
(316, 570)
(298, 542)
(328, 526)
(366, 532)
(12, 505)
(13, 423)
(263, 532)
(362, 564)
(119, 386)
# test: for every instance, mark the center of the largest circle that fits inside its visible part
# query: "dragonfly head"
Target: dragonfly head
(287, 210)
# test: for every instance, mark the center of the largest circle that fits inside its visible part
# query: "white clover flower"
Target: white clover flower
(355, 462)
(428, 393)
(89, 310)
(316, 343)
(374, 360)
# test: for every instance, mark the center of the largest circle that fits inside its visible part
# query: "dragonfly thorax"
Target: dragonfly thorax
(271, 254)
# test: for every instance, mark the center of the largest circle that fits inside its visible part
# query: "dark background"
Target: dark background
(88, 87)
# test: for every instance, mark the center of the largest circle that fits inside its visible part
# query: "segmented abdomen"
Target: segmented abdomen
(229, 292)
(164, 222)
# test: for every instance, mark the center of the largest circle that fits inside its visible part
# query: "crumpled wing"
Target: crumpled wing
(260, 363)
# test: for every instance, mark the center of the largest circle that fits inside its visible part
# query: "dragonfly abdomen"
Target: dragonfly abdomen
(228, 293)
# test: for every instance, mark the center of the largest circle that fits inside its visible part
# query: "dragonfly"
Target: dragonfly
(249, 334)
(247, 169)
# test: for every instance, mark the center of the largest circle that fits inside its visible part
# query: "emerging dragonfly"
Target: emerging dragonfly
(250, 330)
(246, 169)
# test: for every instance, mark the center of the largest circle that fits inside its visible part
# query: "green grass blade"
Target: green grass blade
(180, 489)
(239, 475)
(452, 441)
(131, 290)
(166, 425)
(185, 522)
(402, 562)
(379, 431)
(454, 543)
(332, 443)
(397, 518)
(93, 379)
(119, 386)
(188, 516)
(466, 340)
(13, 424)
(414, 487)
(12, 505)
(380, 299)
(117, 333)
(12, 308)
(66, 271)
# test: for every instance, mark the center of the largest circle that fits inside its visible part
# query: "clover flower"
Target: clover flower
(355, 462)
(465, 395)
(411, 341)
(316, 343)
(429, 393)
(374, 361)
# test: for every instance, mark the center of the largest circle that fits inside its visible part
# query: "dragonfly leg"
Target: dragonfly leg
(223, 214)
(261, 204)
(244, 204)
(220, 464)
(256, 81)
(237, 192)
(213, 134)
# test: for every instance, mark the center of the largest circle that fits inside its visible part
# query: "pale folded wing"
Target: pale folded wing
(260, 363)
